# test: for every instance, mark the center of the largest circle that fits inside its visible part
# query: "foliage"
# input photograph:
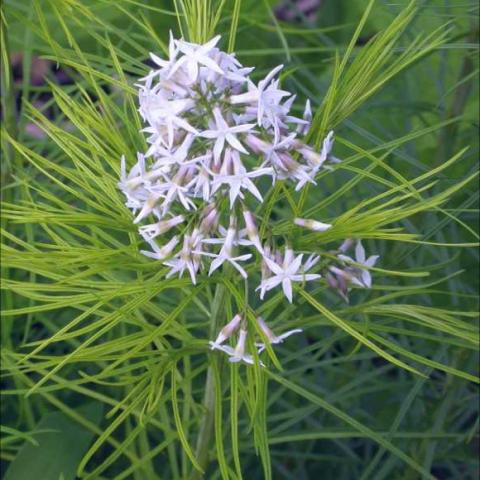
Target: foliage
(382, 387)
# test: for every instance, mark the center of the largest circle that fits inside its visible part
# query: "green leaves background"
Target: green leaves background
(384, 387)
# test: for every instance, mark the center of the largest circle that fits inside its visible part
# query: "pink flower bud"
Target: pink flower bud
(210, 219)
(252, 231)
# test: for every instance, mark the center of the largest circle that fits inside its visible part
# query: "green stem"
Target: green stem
(8, 103)
(206, 427)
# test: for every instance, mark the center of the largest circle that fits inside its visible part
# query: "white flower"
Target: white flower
(175, 190)
(272, 338)
(159, 111)
(238, 353)
(160, 253)
(224, 132)
(285, 274)
(186, 259)
(149, 232)
(170, 156)
(272, 155)
(195, 55)
(150, 205)
(239, 238)
(202, 183)
(360, 276)
(172, 53)
(239, 180)
(226, 253)
(263, 95)
(227, 331)
(318, 159)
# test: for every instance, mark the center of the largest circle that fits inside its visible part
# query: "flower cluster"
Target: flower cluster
(216, 140)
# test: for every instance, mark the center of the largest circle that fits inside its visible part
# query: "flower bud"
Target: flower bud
(256, 144)
(312, 224)
(160, 253)
(210, 219)
(252, 231)
(346, 245)
(153, 230)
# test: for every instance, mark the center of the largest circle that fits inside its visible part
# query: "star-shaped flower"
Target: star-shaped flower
(186, 259)
(238, 353)
(161, 112)
(226, 252)
(263, 95)
(170, 156)
(360, 276)
(195, 55)
(224, 133)
(241, 180)
(285, 274)
(160, 253)
(227, 331)
(272, 338)
(175, 191)
(279, 145)
(172, 53)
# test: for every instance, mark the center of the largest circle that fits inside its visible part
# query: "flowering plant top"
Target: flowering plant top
(216, 139)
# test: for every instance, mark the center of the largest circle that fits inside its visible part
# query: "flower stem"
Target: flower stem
(206, 427)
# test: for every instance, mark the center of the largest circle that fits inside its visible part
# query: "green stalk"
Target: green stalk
(206, 428)
(8, 103)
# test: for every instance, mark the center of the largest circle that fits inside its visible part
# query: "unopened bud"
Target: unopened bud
(155, 229)
(346, 245)
(312, 224)
(210, 219)
(252, 231)
(256, 144)
(160, 253)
